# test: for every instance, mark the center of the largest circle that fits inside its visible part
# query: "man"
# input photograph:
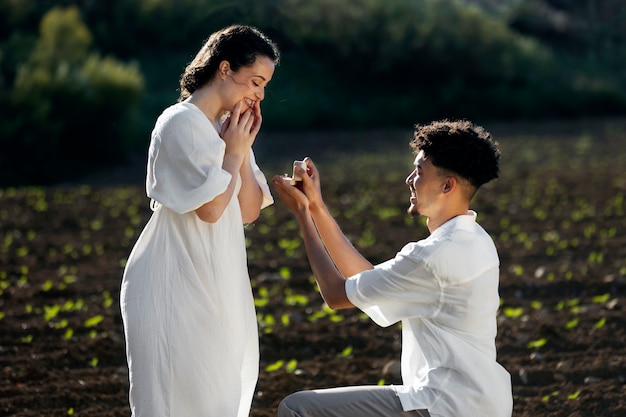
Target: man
(444, 289)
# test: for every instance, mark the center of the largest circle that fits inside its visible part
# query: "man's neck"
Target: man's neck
(434, 222)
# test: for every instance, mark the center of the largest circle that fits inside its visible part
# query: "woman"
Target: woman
(186, 301)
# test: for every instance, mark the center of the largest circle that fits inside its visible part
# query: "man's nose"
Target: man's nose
(409, 179)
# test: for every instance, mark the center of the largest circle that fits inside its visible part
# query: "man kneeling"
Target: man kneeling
(444, 289)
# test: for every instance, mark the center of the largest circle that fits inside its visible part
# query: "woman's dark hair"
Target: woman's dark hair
(238, 44)
(460, 147)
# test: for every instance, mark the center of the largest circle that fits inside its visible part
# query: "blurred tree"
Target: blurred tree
(345, 64)
(63, 39)
(401, 61)
(72, 108)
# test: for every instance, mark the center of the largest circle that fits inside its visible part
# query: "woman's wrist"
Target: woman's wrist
(232, 162)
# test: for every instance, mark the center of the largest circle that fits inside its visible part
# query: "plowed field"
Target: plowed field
(556, 215)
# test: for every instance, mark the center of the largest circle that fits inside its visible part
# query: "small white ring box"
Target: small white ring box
(297, 177)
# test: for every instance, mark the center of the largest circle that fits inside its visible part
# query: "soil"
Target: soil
(556, 215)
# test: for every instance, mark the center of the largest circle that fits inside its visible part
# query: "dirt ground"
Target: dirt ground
(556, 215)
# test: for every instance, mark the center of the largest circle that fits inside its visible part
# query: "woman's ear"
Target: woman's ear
(223, 69)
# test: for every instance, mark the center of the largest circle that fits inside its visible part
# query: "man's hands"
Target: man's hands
(304, 198)
(328, 250)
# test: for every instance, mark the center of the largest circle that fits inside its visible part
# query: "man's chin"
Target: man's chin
(412, 211)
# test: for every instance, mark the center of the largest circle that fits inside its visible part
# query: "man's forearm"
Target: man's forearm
(328, 277)
(343, 253)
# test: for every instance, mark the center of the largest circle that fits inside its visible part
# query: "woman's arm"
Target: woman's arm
(238, 133)
(250, 195)
(211, 211)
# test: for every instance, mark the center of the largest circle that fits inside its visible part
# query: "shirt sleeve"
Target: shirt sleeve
(400, 288)
(185, 163)
(262, 181)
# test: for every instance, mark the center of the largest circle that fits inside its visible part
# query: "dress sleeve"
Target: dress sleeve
(262, 181)
(400, 288)
(185, 162)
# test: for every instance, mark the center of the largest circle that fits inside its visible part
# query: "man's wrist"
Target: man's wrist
(317, 208)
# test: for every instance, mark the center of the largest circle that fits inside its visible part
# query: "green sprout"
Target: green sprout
(574, 395)
(536, 344)
(346, 353)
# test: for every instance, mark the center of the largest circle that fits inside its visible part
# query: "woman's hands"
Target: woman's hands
(238, 133)
(240, 129)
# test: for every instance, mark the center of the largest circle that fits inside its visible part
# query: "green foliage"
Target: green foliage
(365, 63)
(427, 58)
(290, 367)
(536, 344)
(63, 39)
(70, 107)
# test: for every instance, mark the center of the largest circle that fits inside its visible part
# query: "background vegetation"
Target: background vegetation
(81, 82)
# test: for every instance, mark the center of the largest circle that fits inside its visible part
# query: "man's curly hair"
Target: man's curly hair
(460, 147)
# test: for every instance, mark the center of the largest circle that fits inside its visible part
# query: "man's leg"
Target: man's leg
(360, 401)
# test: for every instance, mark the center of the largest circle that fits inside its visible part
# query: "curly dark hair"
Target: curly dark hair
(461, 147)
(238, 44)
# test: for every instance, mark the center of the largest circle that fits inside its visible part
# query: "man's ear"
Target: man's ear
(449, 184)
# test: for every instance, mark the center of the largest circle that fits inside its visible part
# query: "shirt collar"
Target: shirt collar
(464, 221)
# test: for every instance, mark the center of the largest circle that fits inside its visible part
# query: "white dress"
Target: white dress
(186, 301)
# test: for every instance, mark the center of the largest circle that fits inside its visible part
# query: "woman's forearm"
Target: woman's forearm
(250, 195)
(211, 211)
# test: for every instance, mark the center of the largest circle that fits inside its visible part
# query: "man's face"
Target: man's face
(425, 184)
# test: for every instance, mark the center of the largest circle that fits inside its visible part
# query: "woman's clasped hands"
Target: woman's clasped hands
(240, 129)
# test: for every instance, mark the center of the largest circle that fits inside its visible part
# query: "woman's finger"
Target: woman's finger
(247, 122)
(257, 109)
(258, 119)
(235, 115)
(226, 124)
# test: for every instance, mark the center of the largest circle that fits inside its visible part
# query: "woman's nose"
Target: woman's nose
(260, 94)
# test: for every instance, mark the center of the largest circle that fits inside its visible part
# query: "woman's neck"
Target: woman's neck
(206, 100)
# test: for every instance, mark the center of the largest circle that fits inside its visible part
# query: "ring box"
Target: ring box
(295, 176)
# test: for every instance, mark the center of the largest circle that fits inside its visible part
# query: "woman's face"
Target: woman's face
(248, 83)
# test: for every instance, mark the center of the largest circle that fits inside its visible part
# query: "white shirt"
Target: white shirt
(444, 289)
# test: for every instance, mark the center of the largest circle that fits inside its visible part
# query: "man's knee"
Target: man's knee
(290, 406)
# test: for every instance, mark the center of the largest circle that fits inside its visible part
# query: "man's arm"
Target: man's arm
(344, 254)
(330, 281)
